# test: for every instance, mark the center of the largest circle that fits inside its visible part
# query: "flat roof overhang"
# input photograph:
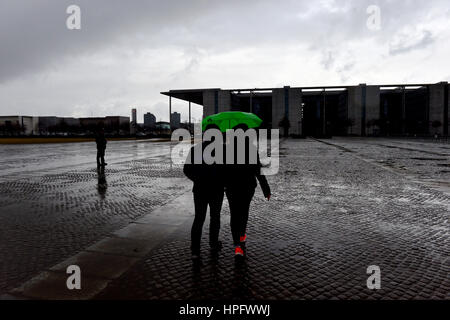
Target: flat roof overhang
(191, 95)
(196, 95)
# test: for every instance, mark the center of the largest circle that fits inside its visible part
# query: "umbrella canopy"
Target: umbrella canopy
(228, 120)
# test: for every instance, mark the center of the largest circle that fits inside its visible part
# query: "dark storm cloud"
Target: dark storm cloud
(33, 34)
(129, 51)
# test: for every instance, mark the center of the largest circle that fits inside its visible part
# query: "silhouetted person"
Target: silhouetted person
(208, 191)
(101, 147)
(240, 184)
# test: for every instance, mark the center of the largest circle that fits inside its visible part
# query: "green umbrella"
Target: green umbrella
(228, 120)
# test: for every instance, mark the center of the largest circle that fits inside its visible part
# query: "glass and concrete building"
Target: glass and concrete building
(361, 110)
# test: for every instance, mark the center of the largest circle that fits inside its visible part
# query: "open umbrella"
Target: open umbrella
(228, 120)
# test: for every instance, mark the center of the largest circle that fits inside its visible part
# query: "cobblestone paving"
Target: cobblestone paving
(425, 161)
(332, 215)
(53, 202)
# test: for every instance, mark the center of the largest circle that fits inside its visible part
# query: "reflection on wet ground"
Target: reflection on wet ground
(332, 215)
(338, 207)
(102, 185)
(54, 202)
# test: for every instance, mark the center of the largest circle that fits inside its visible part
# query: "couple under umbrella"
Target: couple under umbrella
(237, 180)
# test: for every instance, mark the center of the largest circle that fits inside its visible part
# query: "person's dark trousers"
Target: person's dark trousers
(100, 157)
(201, 201)
(239, 201)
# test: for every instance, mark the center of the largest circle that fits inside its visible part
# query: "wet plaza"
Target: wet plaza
(338, 207)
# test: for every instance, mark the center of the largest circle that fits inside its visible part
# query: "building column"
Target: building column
(170, 113)
(277, 107)
(190, 115)
(216, 101)
(295, 104)
(363, 109)
(372, 108)
(403, 110)
(251, 101)
(355, 111)
(438, 108)
(208, 103)
(224, 101)
(287, 102)
(446, 112)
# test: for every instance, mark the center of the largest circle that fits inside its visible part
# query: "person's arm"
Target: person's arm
(189, 168)
(189, 171)
(262, 180)
(264, 186)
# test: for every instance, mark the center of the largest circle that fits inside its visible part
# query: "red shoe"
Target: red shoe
(243, 239)
(238, 252)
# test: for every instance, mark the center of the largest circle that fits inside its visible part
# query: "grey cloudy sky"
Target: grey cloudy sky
(128, 51)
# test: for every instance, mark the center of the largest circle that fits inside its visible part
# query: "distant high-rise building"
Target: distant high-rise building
(133, 115)
(175, 120)
(133, 121)
(149, 120)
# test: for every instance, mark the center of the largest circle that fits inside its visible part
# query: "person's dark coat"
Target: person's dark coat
(208, 191)
(243, 177)
(206, 177)
(101, 142)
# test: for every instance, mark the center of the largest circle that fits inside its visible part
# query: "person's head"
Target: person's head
(211, 126)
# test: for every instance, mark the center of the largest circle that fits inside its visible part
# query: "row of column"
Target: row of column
(363, 107)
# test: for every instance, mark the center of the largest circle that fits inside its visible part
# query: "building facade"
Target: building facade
(23, 125)
(149, 121)
(115, 125)
(163, 128)
(17, 125)
(175, 120)
(362, 110)
(133, 123)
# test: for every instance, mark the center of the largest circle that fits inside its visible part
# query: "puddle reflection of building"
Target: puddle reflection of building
(102, 185)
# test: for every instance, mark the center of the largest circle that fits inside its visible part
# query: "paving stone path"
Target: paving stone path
(338, 207)
(335, 211)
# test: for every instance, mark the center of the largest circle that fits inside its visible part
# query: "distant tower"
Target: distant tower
(149, 121)
(133, 121)
(175, 120)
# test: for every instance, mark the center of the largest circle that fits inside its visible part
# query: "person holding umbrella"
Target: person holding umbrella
(239, 181)
(240, 185)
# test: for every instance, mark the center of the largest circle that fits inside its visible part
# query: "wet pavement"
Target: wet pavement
(338, 207)
(54, 203)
